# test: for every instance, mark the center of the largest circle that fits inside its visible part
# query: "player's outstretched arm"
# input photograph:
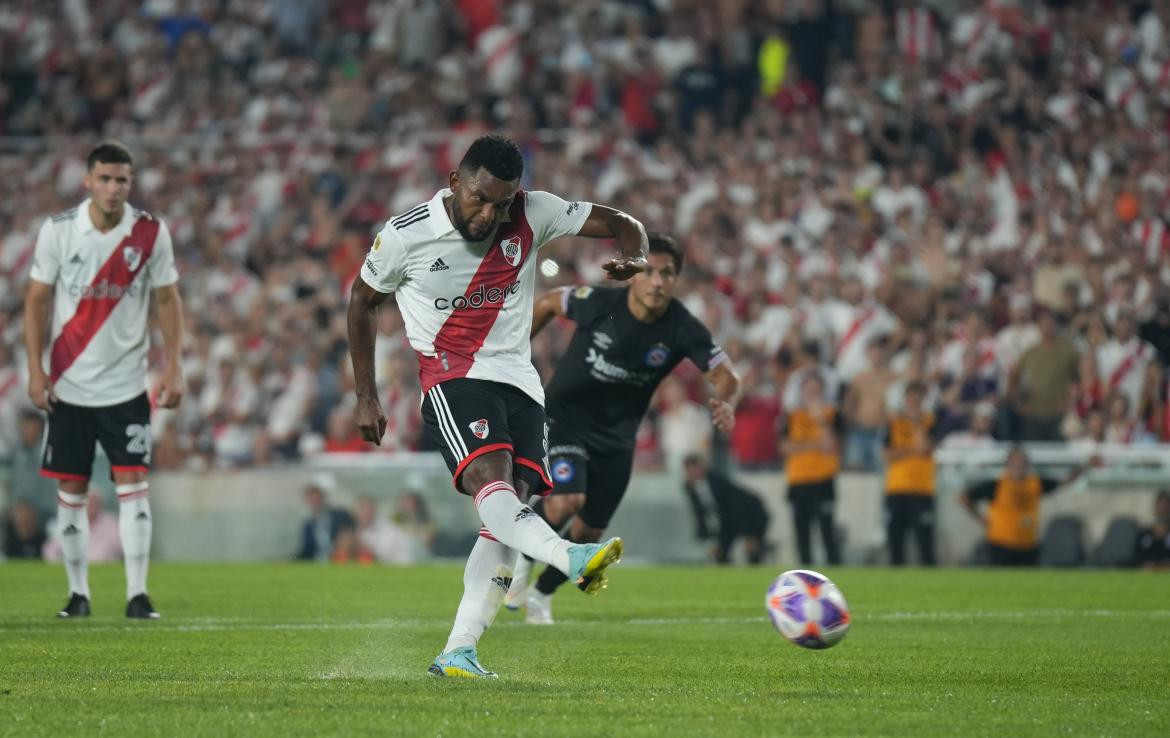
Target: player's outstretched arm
(727, 387)
(605, 222)
(363, 304)
(548, 306)
(37, 302)
(170, 322)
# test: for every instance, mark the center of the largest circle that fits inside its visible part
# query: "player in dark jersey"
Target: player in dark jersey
(627, 341)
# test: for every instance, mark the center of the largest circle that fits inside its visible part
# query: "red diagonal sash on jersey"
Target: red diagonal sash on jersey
(1123, 369)
(854, 329)
(92, 312)
(464, 331)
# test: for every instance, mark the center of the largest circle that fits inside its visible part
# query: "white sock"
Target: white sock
(517, 526)
(485, 581)
(134, 525)
(73, 528)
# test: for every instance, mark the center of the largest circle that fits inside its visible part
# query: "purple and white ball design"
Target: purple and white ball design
(807, 609)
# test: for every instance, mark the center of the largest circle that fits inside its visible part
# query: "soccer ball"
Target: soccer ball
(807, 609)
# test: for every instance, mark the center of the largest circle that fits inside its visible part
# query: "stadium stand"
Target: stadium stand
(1001, 163)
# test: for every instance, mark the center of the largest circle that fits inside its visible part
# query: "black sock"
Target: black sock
(549, 580)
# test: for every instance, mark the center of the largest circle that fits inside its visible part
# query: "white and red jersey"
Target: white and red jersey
(468, 306)
(854, 327)
(1122, 367)
(101, 301)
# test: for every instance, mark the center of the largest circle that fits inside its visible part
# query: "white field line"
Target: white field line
(206, 625)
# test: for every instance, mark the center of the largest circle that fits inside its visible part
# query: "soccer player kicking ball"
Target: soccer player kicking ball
(463, 266)
(97, 265)
(627, 341)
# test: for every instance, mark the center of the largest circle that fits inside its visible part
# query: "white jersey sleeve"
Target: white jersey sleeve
(46, 261)
(385, 267)
(161, 270)
(552, 217)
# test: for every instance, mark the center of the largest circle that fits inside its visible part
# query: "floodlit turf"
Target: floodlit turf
(285, 650)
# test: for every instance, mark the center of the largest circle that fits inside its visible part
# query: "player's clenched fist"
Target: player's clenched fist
(370, 420)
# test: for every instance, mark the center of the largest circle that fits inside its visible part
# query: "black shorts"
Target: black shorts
(467, 418)
(810, 492)
(123, 430)
(602, 476)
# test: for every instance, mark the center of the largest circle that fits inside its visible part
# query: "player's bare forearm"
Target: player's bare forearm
(170, 322)
(728, 386)
(363, 305)
(547, 306)
(632, 243)
(606, 222)
(38, 300)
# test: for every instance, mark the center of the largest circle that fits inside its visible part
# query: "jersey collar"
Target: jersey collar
(85, 224)
(440, 223)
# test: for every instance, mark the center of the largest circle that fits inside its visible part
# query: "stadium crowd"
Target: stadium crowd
(968, 194)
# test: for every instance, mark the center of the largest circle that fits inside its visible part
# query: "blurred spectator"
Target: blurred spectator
(24, 535)
(320, 530)
(388, 542)
(1153, 546)
(822, 171)
(1012, 520)
(811, 449)
(962, 390)
(105, 541)
(411, 514)
(27, 483)
(1122, 361)
(979, 435)
(348, 547)
(865, 409)
(910, 478)
(1156, 330)
(724, 511)
(685, 425)
(1039, 388)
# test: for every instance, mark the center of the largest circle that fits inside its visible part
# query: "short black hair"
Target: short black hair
(660, 243)
(500, 156)
(109, 152)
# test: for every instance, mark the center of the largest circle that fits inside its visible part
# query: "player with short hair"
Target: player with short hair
(97, 265)
(463, 266)
(627, 341)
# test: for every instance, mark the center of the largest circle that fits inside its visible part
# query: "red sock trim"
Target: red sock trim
(491, 487)
(142, 469)
(69, 505)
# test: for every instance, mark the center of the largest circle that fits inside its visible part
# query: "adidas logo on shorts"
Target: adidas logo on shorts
(439, 266)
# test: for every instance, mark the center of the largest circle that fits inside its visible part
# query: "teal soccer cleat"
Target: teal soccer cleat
(460, 662)
(588, 562)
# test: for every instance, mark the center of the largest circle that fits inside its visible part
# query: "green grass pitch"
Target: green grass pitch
(285, 650)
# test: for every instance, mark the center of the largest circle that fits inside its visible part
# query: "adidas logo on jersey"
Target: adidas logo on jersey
(439, 266)
(76, 259)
